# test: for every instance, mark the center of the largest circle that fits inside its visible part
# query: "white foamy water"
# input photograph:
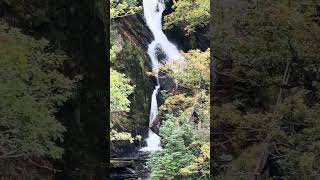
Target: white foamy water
(153, 140)
(153, 15)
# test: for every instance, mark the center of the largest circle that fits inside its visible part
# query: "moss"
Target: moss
(133, 62)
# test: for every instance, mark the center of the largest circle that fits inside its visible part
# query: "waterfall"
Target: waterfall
(153, 10)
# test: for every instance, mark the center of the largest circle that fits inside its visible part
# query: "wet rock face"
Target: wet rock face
(130, 167)
(134, 61)
(167, 83)
(123, 148)
(133, 27)
(161, 55)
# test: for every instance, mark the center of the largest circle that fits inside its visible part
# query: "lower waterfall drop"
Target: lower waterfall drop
(153, 10)
(153, 140)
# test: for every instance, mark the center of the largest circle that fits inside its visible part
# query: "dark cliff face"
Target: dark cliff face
(197, 40)
(77, 28)
(134, 28)
(134, 62)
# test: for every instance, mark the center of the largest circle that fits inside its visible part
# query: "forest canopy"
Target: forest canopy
(189, 15)
(32, 87)
(267, 91)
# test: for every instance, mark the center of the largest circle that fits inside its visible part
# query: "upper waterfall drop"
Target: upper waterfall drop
(153, 10)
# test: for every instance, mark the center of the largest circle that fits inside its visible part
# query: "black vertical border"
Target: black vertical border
(108, 45)
(99, 83)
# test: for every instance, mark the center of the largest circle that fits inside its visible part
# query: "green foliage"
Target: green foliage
(176, 138)
(267, 37)
(114, 135)
(32, 87)
(127, 59)
(189, 14)
(116, 42)
(185, 130)
(300, 142)
(177, 103)
(120, 89)
(120, 8)
(200, 162)
(268, 75)
(193, 71)
(182, 156)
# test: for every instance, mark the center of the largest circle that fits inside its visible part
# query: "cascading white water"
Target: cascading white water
(153, 14)
(153, 10)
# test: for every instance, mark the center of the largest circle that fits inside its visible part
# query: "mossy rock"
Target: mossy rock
(133, 62)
